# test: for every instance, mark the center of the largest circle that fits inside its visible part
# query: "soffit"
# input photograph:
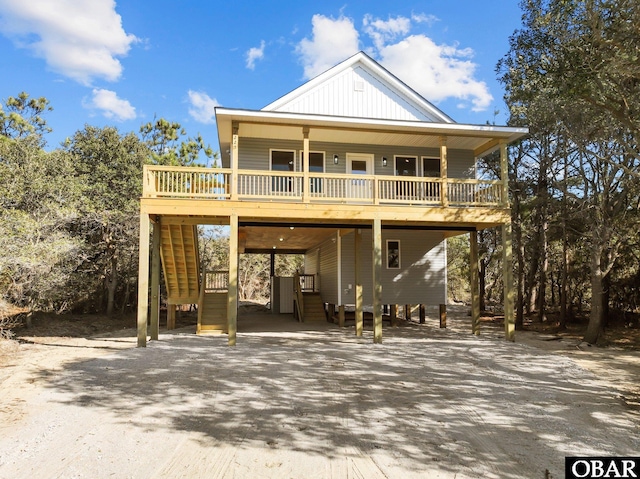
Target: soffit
(275, 125)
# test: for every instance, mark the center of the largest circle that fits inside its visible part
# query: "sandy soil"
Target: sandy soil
(312, 401)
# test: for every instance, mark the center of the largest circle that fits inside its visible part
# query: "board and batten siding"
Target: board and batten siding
(421, 278)
(355, 92)
(254, 155)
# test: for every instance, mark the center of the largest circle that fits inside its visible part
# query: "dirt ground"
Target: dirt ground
(297, 400)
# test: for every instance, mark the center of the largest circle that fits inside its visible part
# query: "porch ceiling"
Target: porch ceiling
(283, 238)
(277, 125)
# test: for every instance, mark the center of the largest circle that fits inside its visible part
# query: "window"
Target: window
(405, 166)
(282, 160)
(393, 254)
(431, 167)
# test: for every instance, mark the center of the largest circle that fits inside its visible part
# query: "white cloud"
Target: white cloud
(202, 107)
(333, 40)
(424, 18)
(111, 106)
(437, 72)
(78, 39)
(255, 54)
(382, 31)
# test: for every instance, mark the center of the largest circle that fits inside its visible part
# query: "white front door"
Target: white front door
(360, 164)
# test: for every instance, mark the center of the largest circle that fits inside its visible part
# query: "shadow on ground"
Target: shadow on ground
(426, 401)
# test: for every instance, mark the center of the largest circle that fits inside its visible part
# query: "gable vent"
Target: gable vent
(358, 85)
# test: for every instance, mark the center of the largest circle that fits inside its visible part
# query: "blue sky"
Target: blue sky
(120, 63)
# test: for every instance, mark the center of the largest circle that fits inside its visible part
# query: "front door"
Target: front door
(360, 164)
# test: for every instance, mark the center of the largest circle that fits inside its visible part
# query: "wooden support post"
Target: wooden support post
(443, 172)
(171, 316)
(394, 315)
(504, 173)
(423, 314)
(341, 315)
(155, 282)
(475, 282)
(331, 310)
(377, 278)
(306, 184)
(443, 315)
(507, 275)
(143, 279)
(234, 159)
(359, 317)
(407, 312)
(232, 295)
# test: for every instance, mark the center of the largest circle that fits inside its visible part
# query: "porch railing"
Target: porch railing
(216, 184)
(307, 282)
(216, 281)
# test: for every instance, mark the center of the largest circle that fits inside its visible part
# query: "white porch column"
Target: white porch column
(358, 281)
(143, 279)
(507, 274)
(155, 281)
(306, 186)
(232, 294)
(444, 192)
(475, 282)
(377, 278)
(234, 161)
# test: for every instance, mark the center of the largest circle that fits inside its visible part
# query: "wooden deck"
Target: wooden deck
(221, 184)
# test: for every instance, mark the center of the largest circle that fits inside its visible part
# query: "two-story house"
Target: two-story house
(353, 169)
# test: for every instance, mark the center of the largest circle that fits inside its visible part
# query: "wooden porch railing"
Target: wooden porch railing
(307, 283)
(216, 281)
(207, 183)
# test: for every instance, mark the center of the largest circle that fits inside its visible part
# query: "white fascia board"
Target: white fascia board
(507, 133)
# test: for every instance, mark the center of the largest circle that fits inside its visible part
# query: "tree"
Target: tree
(22, 117)
(573, 73)
(168, 145)
(108, 165)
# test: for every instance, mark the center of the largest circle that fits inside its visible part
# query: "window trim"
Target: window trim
(399, 254)
(427, 157)
(395, 164)
(271, 150)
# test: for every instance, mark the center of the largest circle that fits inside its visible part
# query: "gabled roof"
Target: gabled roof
(359, 87)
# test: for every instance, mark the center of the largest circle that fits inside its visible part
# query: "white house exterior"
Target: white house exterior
(353, 169)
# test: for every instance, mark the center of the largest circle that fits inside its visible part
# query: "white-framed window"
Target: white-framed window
(406, 165)
(431, 167)
(393, 254)
(282, 161)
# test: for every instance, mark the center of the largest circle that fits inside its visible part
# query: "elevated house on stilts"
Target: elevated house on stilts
(354, 170)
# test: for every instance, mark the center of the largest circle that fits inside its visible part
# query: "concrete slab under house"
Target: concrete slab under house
(354, 170)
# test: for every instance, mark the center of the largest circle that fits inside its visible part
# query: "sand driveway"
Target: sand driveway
(304, 403)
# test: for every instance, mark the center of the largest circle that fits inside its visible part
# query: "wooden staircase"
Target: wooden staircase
(212, 314)
(313, 307)
(180, 262)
